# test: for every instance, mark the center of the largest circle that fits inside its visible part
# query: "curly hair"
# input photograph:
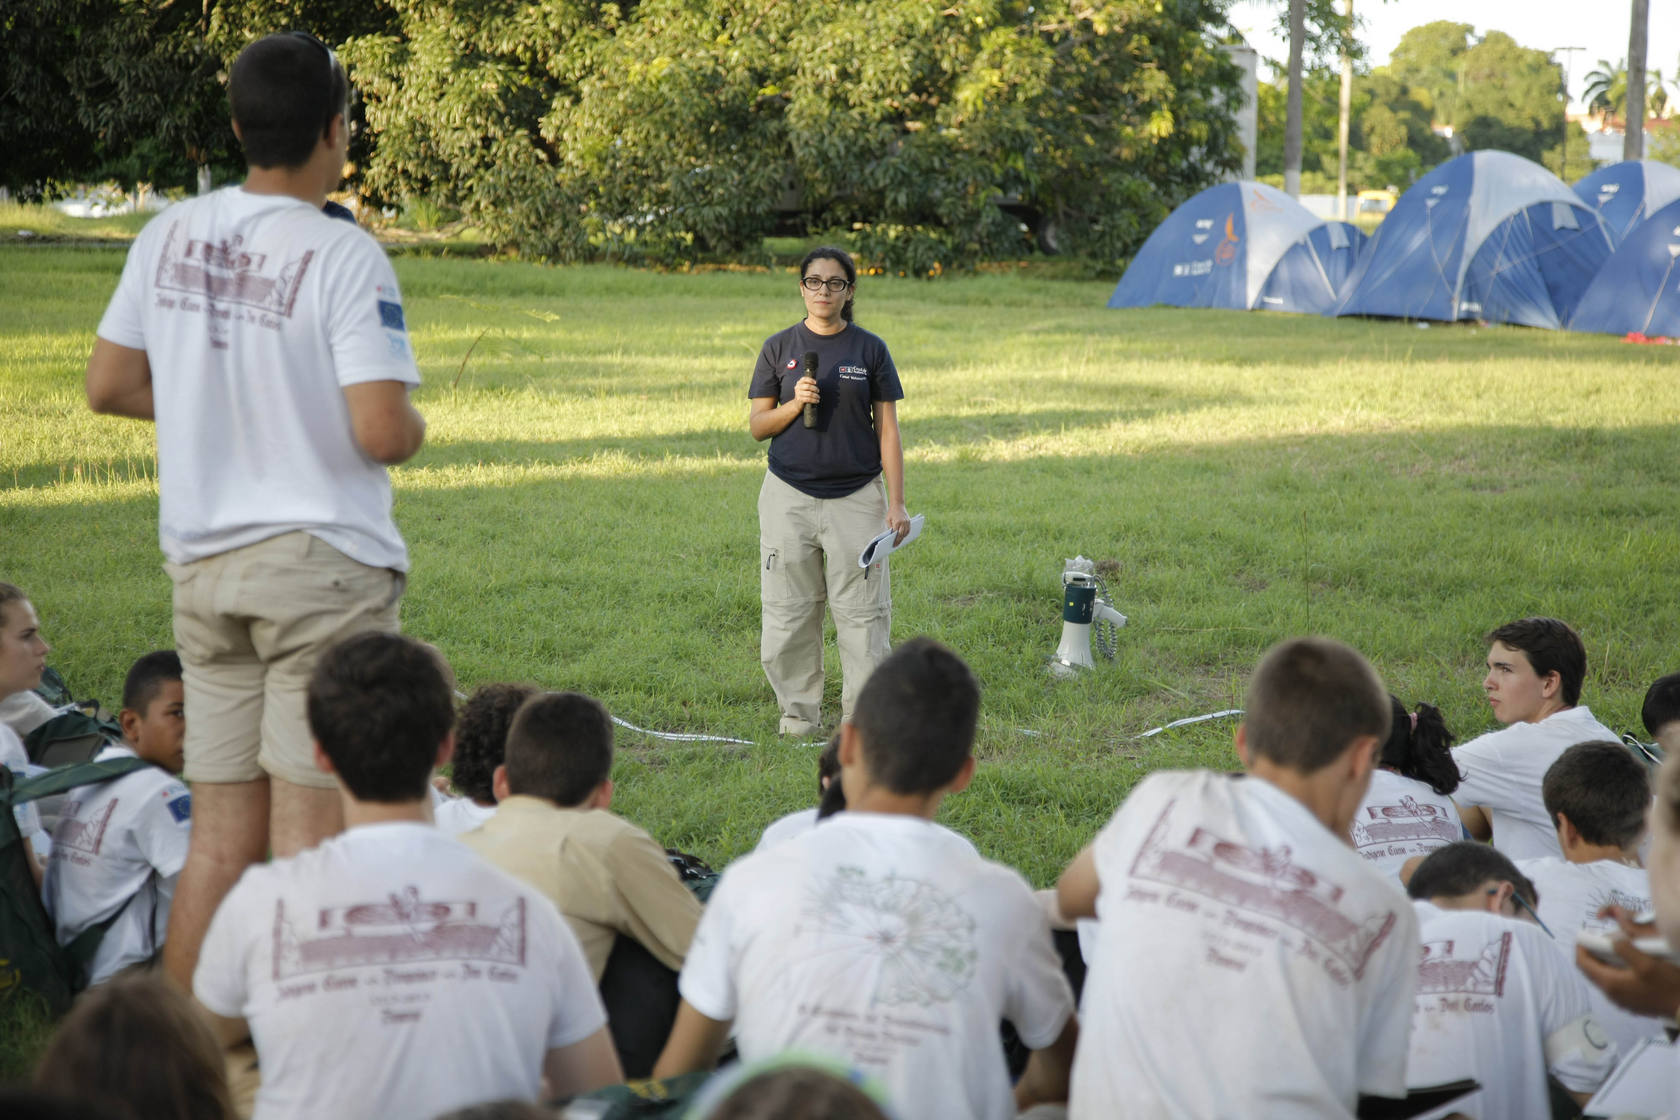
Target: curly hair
(481, 736)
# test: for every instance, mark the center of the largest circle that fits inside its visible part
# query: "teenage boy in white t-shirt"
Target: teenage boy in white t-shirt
(1644, 985)
(267, 341)
(882, 938)
(1248, 961)
(391, 971)
(1598, 794)
(119, 845)
(1533, 685)
(1497, 1002)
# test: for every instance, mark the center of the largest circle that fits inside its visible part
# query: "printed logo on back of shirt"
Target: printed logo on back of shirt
(405, 929)
(1479, 971)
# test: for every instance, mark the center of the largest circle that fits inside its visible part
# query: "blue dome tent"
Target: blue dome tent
(1223, 247)
(1313, 274)
(1626, 193)
(1488, 235)
(1638, 289)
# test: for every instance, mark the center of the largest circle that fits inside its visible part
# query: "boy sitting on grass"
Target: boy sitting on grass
(1598, 794)
(390, 971)
(119, 846)
(553, 830)
(1497, 1001)
(1249, 962)
(881, 938)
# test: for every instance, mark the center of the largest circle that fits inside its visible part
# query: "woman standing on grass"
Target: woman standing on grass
(833, 484)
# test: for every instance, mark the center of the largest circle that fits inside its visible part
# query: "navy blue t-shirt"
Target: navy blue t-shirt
(854, 370)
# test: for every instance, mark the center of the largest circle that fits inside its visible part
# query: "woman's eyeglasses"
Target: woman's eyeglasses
(817, 284)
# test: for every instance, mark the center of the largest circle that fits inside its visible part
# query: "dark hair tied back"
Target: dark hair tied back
(1419, 747)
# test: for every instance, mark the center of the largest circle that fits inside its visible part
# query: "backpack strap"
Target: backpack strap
(70, 777)
(85, 945)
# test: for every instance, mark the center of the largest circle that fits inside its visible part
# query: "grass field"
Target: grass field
(583, 514)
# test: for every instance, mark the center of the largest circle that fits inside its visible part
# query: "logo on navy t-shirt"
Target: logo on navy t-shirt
(793, 363)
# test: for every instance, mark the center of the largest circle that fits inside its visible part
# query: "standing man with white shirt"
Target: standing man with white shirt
(1533, 684)
(267, 342)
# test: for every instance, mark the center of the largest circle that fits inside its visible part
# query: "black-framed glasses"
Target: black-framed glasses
(817, 283)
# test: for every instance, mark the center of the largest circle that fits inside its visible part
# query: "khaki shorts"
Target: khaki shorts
(249, 626)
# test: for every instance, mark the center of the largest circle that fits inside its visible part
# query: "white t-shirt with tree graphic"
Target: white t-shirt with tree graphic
(889, 943)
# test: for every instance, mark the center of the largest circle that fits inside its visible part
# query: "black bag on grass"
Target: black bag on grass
(75, 734)
(31, 959)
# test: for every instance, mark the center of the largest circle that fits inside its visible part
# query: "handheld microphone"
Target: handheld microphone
(810, 370)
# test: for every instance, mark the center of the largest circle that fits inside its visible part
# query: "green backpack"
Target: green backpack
(31, 959)
(75, 734)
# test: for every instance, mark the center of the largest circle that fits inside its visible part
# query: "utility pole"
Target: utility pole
(1292, 105)
(1633, 132)
(1346, 111)
(1563, 160)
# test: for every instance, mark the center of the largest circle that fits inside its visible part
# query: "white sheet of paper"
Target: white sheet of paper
(1641, 1085)
(882, 545)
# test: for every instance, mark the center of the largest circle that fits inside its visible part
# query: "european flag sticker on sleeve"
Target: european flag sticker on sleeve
(181, 808)
(390, 315)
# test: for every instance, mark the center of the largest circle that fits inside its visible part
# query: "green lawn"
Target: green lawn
(583, 513)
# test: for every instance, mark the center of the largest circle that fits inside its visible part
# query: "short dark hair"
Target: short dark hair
(1419, 747)
(481, 736)
(1551, 646)
(1461, 867)
(560, 747)
(1309, 699)
(146, 678)
(1662, 703)
(380, 705)
(915, 717)
(1602, 788)
(284, 90)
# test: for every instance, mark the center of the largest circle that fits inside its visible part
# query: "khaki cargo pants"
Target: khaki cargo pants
(808, 556)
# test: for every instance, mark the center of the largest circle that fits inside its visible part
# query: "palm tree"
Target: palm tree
(1606, 88)
(1656, 94)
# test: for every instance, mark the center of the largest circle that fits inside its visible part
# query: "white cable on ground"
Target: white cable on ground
(681, 736)
(1192, 719)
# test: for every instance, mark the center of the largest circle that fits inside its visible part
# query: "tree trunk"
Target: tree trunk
(1292, 121)
(203, 178)
(1345, 110)
(1633, 138)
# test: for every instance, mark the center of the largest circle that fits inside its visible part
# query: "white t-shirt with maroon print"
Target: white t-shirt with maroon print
(256, 311)
(119, 845)
(1400, 818)
(1571, 895)
(1248, 962)
(1498, 1003)
(393, 972)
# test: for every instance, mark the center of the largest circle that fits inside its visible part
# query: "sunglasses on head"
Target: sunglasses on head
(333, 68)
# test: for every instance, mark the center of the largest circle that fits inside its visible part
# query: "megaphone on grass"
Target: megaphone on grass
(1085, 606)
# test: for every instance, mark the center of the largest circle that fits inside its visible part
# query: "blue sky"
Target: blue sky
(1544, 24)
